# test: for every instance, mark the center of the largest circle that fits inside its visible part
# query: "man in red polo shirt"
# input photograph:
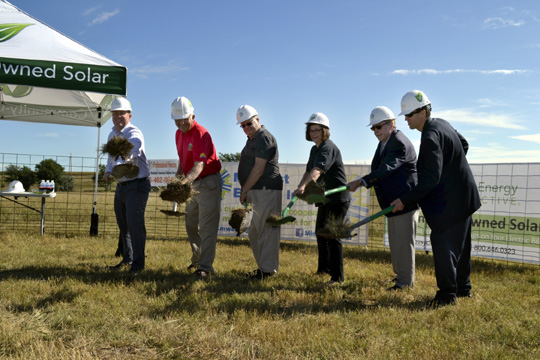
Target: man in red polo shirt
(200, 165)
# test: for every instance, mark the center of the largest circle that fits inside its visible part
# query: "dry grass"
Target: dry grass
(58, 300)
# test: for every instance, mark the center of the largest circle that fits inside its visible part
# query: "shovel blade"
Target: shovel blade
(284, 220)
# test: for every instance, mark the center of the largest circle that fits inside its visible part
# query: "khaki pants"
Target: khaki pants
(264, 239)
(202, 221)
(401, 235)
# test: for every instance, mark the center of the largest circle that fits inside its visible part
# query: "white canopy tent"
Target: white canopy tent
(47, 77)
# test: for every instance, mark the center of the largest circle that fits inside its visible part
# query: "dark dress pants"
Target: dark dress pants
(452, 257)
(330, 250)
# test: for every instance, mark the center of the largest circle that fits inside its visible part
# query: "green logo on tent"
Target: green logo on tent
(19, 91)
(419, 96)
(7, 31)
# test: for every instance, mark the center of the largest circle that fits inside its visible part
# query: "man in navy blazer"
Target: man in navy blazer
(393, 173)
(447, 194)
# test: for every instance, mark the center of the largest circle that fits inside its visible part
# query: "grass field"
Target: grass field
(58, 300)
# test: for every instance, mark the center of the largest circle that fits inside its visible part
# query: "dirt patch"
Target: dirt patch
(177, 192)
(118, 147)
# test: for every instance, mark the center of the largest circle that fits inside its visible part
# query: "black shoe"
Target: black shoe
(464, 294)
(120, 265)
(191, 267)
(259, 275)
(436, 303)
(201, 274)
(135, 271)
(395, 288)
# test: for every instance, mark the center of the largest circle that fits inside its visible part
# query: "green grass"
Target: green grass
(58, 300)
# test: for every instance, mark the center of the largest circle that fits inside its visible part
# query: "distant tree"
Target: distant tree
(49, 169)
(22, 173)
(229, 157)
(101, 182)
(65, 183)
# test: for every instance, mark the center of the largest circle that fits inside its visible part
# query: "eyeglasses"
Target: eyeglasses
(246, 124)
(314, 131)
(414, 112)
(379, 127)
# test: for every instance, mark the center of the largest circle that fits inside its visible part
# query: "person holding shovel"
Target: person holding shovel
(393, 173)
(447, 194)
(131, 193)
(325, 167)
(258, 173)
(199, 165)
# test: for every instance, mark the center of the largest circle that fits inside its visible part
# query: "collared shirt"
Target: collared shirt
(194, 146)
(263, 145)
(137, 155)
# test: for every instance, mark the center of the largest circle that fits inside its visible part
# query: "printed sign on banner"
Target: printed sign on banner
(303, 228)
(507, 226)
(162, 171)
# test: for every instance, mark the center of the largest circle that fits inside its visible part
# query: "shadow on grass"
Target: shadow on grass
(285, 295)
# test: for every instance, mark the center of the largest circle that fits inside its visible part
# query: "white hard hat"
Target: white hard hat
(379, 114)
(245, 112)
(413, 100)
(15, 187)
(181, 108)
(319, 118)
(121, 104)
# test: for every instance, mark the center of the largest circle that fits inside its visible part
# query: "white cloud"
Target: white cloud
(49, 135)
(500, 154)
(91, 10)
(146, 70)
(479, 118)
(487, 102)
(458, 71)
(496, 23)
(535, 138)
(104, 16)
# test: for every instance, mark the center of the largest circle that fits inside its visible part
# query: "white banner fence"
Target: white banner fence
(506, 227)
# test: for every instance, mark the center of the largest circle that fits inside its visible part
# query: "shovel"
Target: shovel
(284, 218)
(345, 232)
(317, 198)
(174, 211)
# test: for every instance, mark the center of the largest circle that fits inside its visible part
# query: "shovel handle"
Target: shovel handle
(289, 205)
(337, 190)
(373, 217)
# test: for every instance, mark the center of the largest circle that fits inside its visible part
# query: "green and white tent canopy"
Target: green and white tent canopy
(47, 77)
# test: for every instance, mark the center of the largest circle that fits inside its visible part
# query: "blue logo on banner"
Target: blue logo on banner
(299, 232)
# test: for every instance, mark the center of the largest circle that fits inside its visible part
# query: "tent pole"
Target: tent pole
(94, 220)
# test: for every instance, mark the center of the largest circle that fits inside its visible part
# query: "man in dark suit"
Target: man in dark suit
(447, 194)
(393, 173)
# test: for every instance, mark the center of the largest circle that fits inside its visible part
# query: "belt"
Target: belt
(123, 183)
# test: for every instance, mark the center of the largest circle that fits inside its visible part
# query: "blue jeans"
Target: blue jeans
(129, 206)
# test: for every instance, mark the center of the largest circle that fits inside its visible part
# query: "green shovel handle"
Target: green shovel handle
(289, 205)
(337, 190)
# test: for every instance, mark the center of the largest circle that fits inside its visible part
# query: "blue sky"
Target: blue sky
(477, 61)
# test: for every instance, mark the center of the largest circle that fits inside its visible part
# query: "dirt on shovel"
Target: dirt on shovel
(128, 170)
(312, 188)
(179, 193)
(241, 219)
(118, 147)
(173, 213)
(336, 228)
